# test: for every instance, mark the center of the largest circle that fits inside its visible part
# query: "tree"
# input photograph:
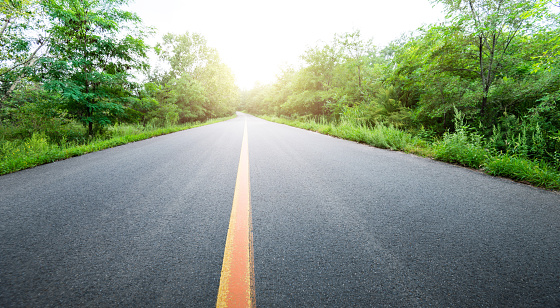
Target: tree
(549, 57)
(357, 55)
(184, 53)
(21, 41)
(196, 80)
(219, 83)
(434, 73)
(492, 25)
(333, 76)
(311, 86)
(94, 46)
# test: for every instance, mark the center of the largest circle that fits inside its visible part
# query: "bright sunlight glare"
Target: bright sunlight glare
(257, 38)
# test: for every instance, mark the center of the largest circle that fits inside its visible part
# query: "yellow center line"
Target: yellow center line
(237, 282)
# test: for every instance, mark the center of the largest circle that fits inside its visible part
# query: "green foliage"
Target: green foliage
(533, 136)
(464, 146)
(34, 110)
(383, 108)
(185, 53)
(21, 44)
(188, 95)
(382, 136)
(461, 148)
(335, 76)
(433, 74)
(492, 26)
(31, 146)
(197, 85)
(91, 55)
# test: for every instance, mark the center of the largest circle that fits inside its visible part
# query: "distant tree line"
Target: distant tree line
(495, 63)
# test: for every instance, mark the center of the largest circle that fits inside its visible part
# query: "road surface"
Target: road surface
(334, 224)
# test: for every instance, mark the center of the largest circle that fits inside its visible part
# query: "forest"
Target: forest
(486, 78)
(78, 72)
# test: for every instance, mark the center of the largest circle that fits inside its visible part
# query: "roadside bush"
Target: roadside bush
(397, 139)
(21, 154)
(463, 147)
(535, 135)
(460, 148)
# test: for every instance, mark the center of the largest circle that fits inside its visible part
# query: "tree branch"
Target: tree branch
(27, 63)
(473, 12)
(4, 27)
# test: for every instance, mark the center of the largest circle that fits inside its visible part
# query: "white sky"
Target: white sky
(257, 38)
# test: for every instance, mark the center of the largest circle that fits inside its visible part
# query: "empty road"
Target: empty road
(334, 224)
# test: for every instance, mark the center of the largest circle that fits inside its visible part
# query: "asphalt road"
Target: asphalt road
(335, 224)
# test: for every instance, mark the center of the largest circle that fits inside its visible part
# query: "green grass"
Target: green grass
(523, 170)
(458, 148)
(381, 136)
(22, 154)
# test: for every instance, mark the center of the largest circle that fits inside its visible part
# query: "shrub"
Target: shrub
(460, 148)
(463, 147)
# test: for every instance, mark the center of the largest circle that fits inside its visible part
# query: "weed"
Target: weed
(464, 147)
(460, 148)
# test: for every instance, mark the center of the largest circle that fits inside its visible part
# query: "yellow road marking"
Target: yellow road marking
(237, 282)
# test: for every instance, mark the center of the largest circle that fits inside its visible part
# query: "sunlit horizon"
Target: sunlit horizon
(256, 39)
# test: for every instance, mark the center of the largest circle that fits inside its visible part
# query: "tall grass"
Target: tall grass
(523, 170)
(38, 149)
(381, 136)
(461, 147)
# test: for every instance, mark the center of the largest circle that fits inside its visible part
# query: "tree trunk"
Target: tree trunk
(483, 106)
(90, 129)
(482, 77)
